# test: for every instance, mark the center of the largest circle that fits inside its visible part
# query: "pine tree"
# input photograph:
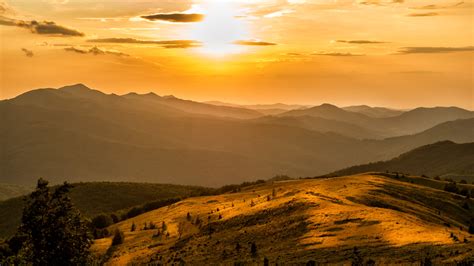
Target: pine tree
(54, 230)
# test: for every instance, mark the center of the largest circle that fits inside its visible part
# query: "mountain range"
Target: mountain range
(79, 134)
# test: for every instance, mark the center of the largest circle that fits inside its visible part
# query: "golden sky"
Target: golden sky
(399, 53)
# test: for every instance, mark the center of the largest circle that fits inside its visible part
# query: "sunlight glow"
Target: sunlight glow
(219, 29)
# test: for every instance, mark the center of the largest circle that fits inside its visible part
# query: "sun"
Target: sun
(220, 28)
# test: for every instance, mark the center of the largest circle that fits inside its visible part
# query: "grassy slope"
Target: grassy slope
(100, 197)
(320, 220)
(10, 191)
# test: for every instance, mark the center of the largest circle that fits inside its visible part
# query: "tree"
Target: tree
(134, 227)
(471, 228)
(118, 237)
(188, 216)
(253, 249)
(54, 231)
(274, 193)
(102, 221)
(163, 226)
(266, 262)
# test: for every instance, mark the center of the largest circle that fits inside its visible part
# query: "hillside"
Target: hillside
(406, 123)
(100, 197)
(296, 222)
(376, 112)
(443, 159)
(79, 134)
(10, 191)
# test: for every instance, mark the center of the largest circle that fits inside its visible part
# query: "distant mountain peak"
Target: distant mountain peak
(170, 97)
(75, 87)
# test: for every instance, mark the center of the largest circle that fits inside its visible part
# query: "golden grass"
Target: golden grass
(308, 219)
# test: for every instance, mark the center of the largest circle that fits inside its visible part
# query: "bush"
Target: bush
(451, 187)
(102, 221)
(118, 238)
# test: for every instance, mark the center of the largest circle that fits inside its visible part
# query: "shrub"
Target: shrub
(451, 187)
(253, 249)
(134, 227)
(118, 238)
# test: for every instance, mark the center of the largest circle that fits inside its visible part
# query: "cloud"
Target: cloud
(359, 41)
(41, 27)
(165, 44)
(94, 51)
(336, 54)
(434, 50)
(427, 14)
(175, 17)
(380, 2)
(27, 52)
(430, 7)
(254, 43)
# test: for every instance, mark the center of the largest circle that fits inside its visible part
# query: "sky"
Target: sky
(395, 53)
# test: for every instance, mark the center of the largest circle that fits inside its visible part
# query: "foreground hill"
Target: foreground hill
(445, 159)
(295, 222)
(100, 197)
(78, 134)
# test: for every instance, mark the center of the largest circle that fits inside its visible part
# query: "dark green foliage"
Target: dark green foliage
(357, 259)
(53, 230)
(102, 221)
(451, 187)
(118, 238)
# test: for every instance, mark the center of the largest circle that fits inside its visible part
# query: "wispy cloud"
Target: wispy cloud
(27, 52)
(359, 41)
(430, 7)
(336, 54)
(380, 2)
(41, 27)
(175, 17)
(165, 44)
(434, 50)
(426, 14)
(95, 51)
(254, 43)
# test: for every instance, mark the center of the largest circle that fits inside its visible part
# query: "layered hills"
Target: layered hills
(79, 134)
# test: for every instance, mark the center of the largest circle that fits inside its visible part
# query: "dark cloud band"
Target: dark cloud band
(434, 50)
(42, 27)
(165, 44)
(175, 17)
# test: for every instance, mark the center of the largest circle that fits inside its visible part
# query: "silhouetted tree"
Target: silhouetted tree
(115, 218)
(134, 227)
(118, 237)
(274, 193)
(188, 216)
(237, 247)
(53, 230)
